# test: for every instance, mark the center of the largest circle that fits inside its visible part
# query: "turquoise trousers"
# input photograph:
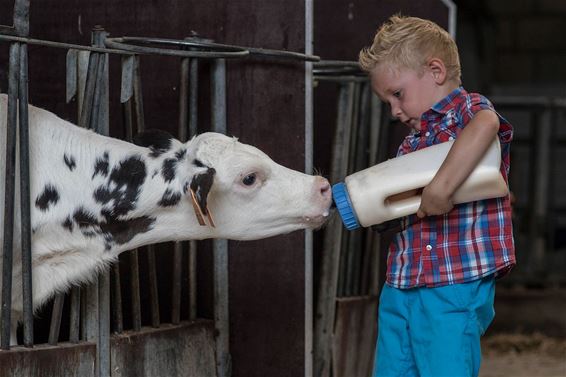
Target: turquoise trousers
(433, 332)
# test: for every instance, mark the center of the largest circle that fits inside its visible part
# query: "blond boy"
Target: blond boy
(442, 265)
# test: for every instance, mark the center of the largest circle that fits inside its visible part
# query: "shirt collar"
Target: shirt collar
(449, 101)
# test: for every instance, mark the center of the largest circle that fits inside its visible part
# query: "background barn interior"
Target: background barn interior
(511, 51)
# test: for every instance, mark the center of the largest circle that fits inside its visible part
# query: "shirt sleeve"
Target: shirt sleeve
(475, 103)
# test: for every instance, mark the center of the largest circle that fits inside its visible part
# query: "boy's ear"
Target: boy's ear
(438, 70)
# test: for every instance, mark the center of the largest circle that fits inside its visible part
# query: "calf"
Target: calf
(93, 197)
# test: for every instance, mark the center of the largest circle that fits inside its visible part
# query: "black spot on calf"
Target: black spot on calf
(169, 169)
(170, 198)
(69, 161)
(123, 186)
(101, 165)
(48, 196)
(157, 140)
(180, 154)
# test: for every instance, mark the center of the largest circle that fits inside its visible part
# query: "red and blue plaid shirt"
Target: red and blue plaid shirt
(471, 241)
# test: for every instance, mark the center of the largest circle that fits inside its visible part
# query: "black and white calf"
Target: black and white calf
(94, 197)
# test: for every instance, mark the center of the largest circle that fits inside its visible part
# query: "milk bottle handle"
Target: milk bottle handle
(406, 207)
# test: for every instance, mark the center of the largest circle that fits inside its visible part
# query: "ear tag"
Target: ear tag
(198, 212)
(196, 207)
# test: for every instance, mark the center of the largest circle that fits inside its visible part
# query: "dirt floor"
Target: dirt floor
(523, 356)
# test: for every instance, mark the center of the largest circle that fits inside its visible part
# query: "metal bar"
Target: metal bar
(103, 344)
(541, 171)
(330, 259)
(192, 280)
(56, 315)
(9, 205)
(193, 130)
(193, 97)
(41, 42)
(99, 122)
(138, 95)
(25, 197)
(117, 302)
(135, 288)
(176, 284)
(74, 327)
(220, 247)
(71, 75)
(153, 292)
(309, 155)
(88, 97)
(21, 17)
(353, 247)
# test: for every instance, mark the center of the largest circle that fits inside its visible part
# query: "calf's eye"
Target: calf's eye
(249, 179)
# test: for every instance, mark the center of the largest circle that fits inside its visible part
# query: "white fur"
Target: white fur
(281, 201)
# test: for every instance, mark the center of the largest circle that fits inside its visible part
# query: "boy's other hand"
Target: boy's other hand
(435, 200)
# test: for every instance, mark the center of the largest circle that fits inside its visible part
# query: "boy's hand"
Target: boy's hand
(434, 201)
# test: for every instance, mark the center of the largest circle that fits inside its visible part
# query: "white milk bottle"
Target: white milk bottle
(392, 189)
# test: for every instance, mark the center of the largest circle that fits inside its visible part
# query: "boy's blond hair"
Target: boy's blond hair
(410, 42)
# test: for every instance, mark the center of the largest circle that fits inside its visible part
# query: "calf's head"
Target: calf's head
(238, 192)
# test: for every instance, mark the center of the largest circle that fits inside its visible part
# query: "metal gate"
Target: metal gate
(194, 346)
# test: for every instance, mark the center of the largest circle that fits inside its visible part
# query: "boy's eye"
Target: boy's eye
(397, 94)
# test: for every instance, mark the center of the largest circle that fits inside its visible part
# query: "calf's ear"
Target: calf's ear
(200, 187)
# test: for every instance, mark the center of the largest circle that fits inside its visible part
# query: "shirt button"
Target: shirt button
(428, 247)
(451, 138)
(427, 134)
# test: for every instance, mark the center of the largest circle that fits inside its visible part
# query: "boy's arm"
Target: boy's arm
(465, 154)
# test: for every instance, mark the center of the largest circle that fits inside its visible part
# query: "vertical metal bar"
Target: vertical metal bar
(56, 315)
(74, 327)
(178, 247)
(135, 288)
(353, 247)
(193, 97)
(193, 130)
(541, 188)
(309, 145)
(345, 113)
(153, 293)
(9, 205)
(117, 302)
(138, 96)
(192, 280)
(134, 263)
(21, 17)
(330, 260)
(25, 198)
(371, 257)
(220, 247)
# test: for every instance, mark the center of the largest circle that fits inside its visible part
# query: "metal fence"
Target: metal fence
(90, 315)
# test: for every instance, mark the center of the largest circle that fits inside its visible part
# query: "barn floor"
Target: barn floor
(523, 356)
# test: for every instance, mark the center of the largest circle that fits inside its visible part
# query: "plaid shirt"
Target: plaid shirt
(471, 241)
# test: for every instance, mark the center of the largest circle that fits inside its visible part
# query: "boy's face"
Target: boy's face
(408, 92)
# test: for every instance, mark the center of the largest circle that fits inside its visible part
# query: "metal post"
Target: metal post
(9, 193)
(220, 247)
(330, 263)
